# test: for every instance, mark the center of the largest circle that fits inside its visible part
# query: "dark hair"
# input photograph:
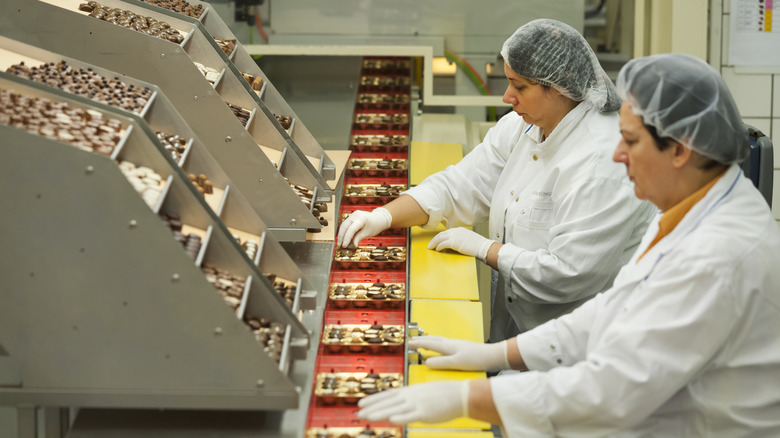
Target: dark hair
(662, 143)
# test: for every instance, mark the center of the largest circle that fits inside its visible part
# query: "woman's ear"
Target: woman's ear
(681, 155)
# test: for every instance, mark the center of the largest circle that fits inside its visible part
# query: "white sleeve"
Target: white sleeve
(665, 332)
(594, 225)
(561, 341)
(460, 195)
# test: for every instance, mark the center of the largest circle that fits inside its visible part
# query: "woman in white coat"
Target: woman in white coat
(562, 216)
(685, 344)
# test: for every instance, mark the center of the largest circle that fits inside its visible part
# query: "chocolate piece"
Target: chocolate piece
(242, 114)
(226, 45)
(180, 6)
(83, 129)
(131, 20)
(230, 286)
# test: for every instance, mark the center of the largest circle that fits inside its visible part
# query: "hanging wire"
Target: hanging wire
(474, 76)
(260, 28)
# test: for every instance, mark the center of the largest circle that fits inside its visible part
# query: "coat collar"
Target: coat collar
(688, 224)
(561, 132)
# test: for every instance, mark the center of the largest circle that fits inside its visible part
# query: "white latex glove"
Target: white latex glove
(458, 354)
(361, 224)
(432, 402)
(463, 241)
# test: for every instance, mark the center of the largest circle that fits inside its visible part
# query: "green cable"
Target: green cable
(481, 87)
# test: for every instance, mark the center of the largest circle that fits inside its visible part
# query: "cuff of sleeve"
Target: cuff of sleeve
(540, 348)
(427, 201)
(519, 400)
(506, 260)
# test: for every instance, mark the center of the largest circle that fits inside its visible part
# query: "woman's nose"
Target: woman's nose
(508, 98)
(620, 155)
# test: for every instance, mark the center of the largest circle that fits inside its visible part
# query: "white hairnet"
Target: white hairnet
(555, 54)
(685, 99)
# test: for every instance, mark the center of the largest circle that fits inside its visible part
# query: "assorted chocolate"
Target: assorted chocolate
(179, 6)
(333, 388)
(360, 295)
(362, 338)
(372, 193)
(352, 432)
(131, 20)
(242, 114)
(307, 196)
(256, 82)
(86, 129)
(285, 288)
(191, 242)
(386, 66)
(201, 183)
(379, 257)
(148, 183)
(86, 82)
(285, 121)
(174, 144)
(379, 143)
(361, 167)
(211, 74)
(384, 83)
(250, 246)
(382, 120)
(383, 101)
(226, 45)
(230, 286)
(269, 334)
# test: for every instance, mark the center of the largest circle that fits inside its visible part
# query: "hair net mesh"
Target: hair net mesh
(687, 100)
(555, 54)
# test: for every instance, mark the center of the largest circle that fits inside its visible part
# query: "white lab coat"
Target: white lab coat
(685, 344)
(565, 212)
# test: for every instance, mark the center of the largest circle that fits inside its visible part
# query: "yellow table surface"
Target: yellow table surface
(448, 434)
(422, 374)
(451, 319)
(442, 275)
(427, 158)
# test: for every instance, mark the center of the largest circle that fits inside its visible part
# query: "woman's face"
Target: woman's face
(647, 167)
(533, 102)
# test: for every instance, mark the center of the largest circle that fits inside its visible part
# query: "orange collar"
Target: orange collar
(672, 217)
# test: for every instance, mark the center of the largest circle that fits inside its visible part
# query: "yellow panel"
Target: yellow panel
(421, 374)
(452, 319)
(444, 275)
(427, 158)
(448, 434)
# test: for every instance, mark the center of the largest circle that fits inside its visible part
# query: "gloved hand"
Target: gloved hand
(361, 224)
(458, 354)
(463, 241)
(432, 402)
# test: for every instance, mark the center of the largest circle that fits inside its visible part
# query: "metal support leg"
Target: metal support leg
(26, 421)
(56, 422)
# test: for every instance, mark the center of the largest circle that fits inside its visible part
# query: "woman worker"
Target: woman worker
(685, 344)
(562, 215)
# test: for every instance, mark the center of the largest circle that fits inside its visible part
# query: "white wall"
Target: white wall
(757, 94)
